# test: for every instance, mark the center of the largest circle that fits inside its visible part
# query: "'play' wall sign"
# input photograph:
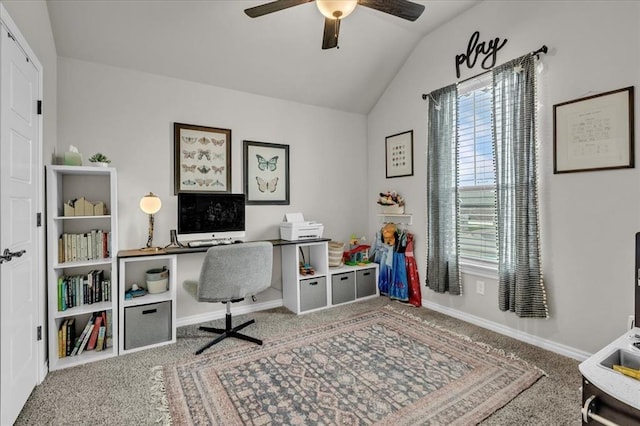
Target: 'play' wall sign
(475, 49)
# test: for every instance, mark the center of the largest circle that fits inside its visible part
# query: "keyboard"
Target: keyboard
(203, 243)
(208, 243)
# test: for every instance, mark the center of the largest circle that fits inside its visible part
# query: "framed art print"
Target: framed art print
(202, 159)
(266, 173)
(594, 133)
(399, 154)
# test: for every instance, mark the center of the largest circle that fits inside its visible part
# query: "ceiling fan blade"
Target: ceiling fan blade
(331, 30)
(274, 6)
(401, 8)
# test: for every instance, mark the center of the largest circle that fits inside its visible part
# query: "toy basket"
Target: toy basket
(336, 250)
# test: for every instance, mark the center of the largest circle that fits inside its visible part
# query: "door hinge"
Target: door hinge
(39, 107)
(38, 219)
(39, 332)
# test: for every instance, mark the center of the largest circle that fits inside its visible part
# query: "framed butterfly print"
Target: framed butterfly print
(266, 173)
(202, 159)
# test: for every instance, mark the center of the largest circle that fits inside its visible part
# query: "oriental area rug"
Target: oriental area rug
(384, 367)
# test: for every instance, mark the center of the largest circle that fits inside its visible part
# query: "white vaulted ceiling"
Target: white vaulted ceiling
(277, 55)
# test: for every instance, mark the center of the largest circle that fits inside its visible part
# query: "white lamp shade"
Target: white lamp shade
(150, 204)
(336, 9)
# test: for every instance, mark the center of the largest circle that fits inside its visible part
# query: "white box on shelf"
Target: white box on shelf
(295, 228)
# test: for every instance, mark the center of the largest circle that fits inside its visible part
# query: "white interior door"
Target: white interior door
(19, 240)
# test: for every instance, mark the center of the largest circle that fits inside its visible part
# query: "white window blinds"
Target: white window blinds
(476, 171)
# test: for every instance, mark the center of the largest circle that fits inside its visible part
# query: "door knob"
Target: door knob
(8, 255)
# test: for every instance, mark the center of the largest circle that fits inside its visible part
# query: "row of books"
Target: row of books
(78, 290)
(94, 336)
(92, 245)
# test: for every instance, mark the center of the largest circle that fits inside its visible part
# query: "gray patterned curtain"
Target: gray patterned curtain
(521, 289)
(443, 273)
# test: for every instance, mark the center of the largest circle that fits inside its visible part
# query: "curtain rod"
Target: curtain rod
(543, 49)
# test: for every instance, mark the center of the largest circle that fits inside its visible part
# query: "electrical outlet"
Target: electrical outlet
(480, 287)
(630, 322)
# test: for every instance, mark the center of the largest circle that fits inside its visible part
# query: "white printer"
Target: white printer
(294, 228)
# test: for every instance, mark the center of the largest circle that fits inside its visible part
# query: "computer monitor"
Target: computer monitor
(210, 216)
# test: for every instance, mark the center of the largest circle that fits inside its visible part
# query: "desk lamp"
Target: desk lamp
(150, 204)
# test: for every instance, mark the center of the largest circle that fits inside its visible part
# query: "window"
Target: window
(476, 171)
(482, 184)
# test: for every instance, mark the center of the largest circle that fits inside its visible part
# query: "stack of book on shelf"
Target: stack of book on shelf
(95, 335)
(78, 290)
(92, 245)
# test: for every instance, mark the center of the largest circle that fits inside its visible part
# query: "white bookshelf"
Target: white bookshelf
(66, 183)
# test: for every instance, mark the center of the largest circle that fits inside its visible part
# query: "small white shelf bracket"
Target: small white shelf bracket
(404, 219)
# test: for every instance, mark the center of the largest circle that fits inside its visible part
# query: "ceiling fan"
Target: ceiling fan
(336, 10)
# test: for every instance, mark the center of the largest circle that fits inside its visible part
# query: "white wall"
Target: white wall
(129, 116)
(588, 219)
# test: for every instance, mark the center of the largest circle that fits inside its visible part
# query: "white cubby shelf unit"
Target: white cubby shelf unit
(146, 321)
(326, 287)
(99, 184)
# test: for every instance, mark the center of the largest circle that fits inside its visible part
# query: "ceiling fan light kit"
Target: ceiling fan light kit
(336, 10)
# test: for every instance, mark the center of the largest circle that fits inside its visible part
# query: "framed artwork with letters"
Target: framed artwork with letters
(594, 132)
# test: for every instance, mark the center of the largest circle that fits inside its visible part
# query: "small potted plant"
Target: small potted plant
(99, 160)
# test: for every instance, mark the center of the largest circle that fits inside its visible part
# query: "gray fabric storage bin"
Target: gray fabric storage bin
(313, 293)
(343, 288)
(366, 282)
(147, 324)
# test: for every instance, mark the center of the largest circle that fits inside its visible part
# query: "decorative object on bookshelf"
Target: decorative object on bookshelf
(72, 157)
(157, 280)
(150, 204)
(81, 207)
(99, 160)
(134, 291)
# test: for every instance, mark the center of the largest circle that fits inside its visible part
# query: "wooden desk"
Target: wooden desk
(186, 249)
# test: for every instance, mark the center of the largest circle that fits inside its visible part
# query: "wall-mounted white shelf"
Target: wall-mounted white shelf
(405, 219)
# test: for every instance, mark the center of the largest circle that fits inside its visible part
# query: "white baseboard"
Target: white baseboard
(236, 310)
(510, 332)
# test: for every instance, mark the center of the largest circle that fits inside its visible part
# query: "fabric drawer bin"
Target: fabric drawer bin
(343, 288)
(366, 282)
(147, 324)
(313, 293)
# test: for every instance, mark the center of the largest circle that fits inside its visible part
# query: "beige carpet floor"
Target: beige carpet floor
(120, 390)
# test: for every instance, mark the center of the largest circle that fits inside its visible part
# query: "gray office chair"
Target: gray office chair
(229, 274)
